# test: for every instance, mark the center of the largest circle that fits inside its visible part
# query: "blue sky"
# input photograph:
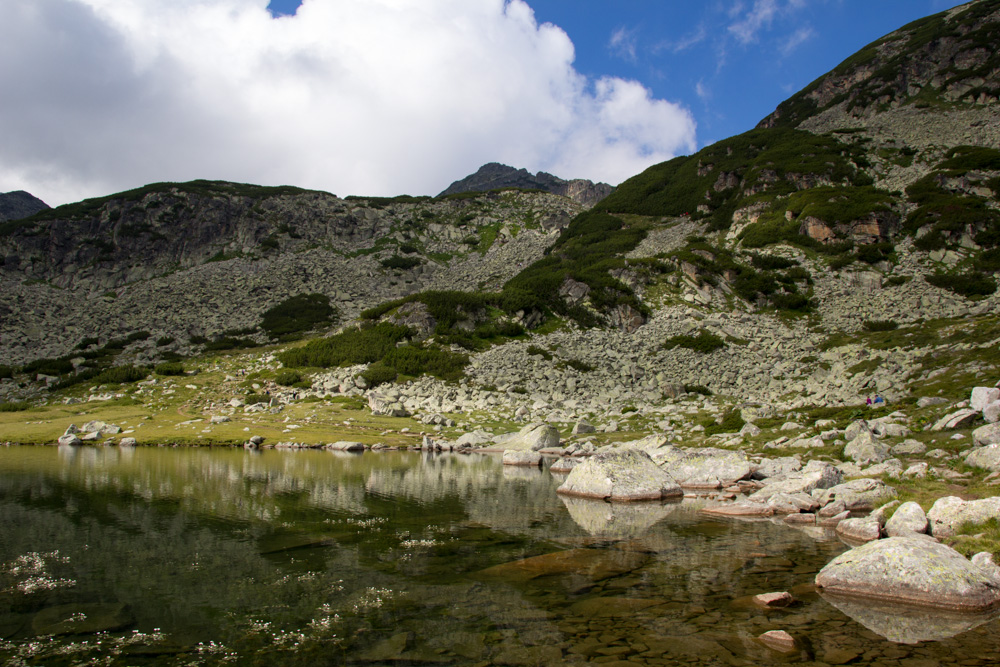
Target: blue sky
(388, 97)
(731, 62)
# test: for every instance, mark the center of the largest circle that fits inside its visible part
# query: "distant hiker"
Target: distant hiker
(869, 401)
(878, 400)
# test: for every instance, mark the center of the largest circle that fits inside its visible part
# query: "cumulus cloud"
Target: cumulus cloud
(377, 97)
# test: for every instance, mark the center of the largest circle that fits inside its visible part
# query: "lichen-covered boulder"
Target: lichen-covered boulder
(911, 571)
(706, 468)
(866, 450)
(621, 475)
(908, 519)
(985, 436)
(949, 513)
(859, 494)
(533, 437)
(987, 457)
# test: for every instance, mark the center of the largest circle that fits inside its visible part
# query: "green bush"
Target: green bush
(364, 345)
(969, 284)
(704, 343)
(168, 369)
(226, 343)
(254, 399)
(413, 360)
(288, 378)
(163, 341)
(60, 366)
(197, 339)
(771, 262)
(578, 365)
(873, 253)
(300, 313)
(880, 325)
(408, 248)
(400, 263)
(87, 342)
(896, 281)
(6, 372)
(14, 407)
(697, 389)
(121, 375)
(137, 336)
(378, 373)
(732, 422)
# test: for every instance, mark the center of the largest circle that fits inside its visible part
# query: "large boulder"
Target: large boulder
(958, 419)
(774, 467)
(912, 571)
(987, 435)
(949, 513)
(908, 519)
(70, 440)
(620, 475)
(816, 475)
(707, 468)
(866, 450)
(985, 457)
(386, 407)
(515, 457)
(859, 494)
(983, 396)
(533, 437)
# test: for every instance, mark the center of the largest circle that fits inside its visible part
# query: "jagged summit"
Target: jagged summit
(19, 204)
(495, 176)
(944, 62)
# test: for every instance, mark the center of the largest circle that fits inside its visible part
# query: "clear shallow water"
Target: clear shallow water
(204, 557)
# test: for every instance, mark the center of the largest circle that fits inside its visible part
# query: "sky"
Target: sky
(388, 97)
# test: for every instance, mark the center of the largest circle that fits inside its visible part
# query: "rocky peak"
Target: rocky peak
(942, 62)
(495, 176)
(19, 204)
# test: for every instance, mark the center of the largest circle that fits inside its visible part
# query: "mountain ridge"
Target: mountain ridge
(496, 176)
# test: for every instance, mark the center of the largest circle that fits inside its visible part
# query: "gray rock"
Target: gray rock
(983, 396)
(991, 413)
(524, 458)
(931, 400)
(346, 446)
(959, 419)
(583, 427)
(816, 475)
(917, 470)
(564, 464)
(625, 475)
(987, 435)
(774, 467)
(987, 457)
(474, 439)
(127, 442)
(792, 503)
(892, 468)
(855, 429)
(219, 419)
(750, 430)
(706, 468)
(858, 494)
(859, 530)
(70, 439)
(908, 519)
(910, 571)
(533, 437)
(739, 509)
(949, 513)
(866, 450)
(909, 448)
(257, 440)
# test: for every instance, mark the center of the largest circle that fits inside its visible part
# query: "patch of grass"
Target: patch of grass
(697, 389)
(399, 263)
(732, 422)
(288, 378)
(880, 325)
(14, 407)
(704, 343)
(578, 365)
(169, 369)
(537, 351)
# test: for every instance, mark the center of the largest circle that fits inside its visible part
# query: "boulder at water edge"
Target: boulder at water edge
(532, 437)
(622, 475)
(706, 468)
(911, 571)
(859, 494)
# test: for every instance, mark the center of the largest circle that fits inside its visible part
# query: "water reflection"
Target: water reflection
(311, 557)
(908, 625)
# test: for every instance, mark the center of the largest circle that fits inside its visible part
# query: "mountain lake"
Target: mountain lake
(211, 556)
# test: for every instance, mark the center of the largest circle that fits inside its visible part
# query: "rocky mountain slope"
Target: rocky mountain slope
(832, 252)
(19, 204)
(494, 176)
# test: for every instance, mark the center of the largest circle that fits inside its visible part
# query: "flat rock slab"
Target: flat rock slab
(739, 509)
(859, 494)
(707, 467)
(910, 571)
(597, 564)
(624, 475)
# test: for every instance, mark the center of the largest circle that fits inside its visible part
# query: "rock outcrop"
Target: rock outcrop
(625, 475)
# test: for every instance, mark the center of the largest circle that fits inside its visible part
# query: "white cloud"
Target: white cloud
(796, 39)
(759, 17)
(623, 44)
(351, 96)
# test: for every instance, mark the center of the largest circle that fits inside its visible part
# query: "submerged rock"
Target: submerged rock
(78, 619)
(911, 571)
(597, 564)
(620, 475)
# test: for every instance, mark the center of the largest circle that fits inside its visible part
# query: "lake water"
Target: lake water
(159, 556)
